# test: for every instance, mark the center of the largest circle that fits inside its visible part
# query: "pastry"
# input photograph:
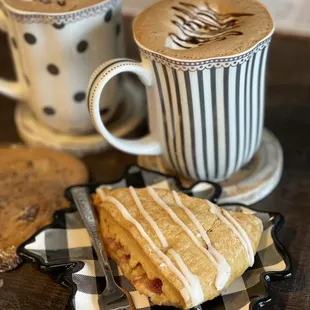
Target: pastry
(178, 250)
(32, 183)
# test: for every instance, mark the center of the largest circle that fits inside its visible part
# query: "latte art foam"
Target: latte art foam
(199, 25)
(202, 29)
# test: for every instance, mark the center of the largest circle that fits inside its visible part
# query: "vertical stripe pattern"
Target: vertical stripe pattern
(212, 118)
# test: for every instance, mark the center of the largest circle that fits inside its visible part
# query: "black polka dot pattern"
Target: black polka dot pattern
(49, 111)
(82, 46)
(58, 26)
(30, 38)
(118, 29)
(52, 69)
(14, 42)
(108, 16)
(79, 97)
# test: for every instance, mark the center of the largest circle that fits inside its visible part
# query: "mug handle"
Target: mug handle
(10, 89)
(147, 145)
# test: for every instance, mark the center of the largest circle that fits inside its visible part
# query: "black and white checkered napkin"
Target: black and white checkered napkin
(66, 244)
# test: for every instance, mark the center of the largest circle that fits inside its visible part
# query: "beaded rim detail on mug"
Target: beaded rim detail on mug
(65, 17)
(205, 64)
(90, 91)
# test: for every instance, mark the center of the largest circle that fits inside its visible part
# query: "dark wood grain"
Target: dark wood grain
(287, 115)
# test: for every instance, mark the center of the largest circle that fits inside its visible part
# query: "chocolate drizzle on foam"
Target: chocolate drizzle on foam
(200, 25)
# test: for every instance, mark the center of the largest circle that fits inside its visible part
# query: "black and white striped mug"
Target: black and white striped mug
(205, 117)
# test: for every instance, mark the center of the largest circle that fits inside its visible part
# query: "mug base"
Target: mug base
(251, 183)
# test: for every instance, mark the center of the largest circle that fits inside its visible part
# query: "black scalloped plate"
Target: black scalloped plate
(62, 271)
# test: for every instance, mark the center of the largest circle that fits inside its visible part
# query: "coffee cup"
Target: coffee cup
(203, 65)
(56, 45)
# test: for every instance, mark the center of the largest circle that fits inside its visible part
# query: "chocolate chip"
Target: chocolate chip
(30, 164)
(30, 213)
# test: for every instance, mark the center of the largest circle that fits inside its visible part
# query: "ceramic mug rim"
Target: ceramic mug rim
(195, 62)
(54, 14)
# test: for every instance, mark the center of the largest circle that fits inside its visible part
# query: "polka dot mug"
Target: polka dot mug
(54, 55)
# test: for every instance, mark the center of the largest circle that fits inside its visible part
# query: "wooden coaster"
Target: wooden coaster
(33, 181)
(250, 184)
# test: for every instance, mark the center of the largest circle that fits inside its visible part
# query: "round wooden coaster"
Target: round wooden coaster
(249, 185)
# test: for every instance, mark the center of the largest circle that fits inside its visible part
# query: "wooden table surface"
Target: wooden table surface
(287, 115)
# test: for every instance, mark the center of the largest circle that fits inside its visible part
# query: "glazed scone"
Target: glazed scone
(178, 250)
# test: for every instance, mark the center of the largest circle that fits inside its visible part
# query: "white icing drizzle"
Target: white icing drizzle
(187, 291)
(243, 234)
(177, 220)
(148, 218)
(198, 296)
(223, 268)
(227, 220)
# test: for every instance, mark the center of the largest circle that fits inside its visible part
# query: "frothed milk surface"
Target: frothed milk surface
(51, 6)
(198, 29)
